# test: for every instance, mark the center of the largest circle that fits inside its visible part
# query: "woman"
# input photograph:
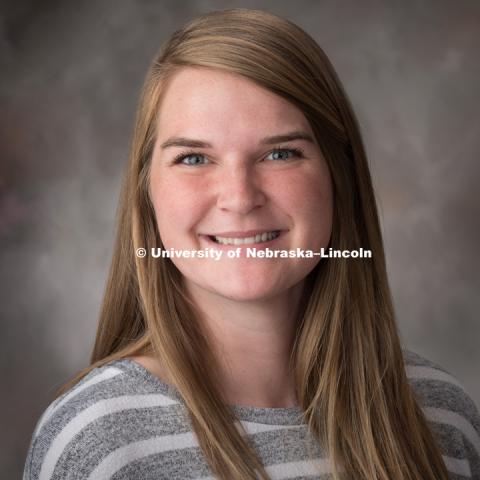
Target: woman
(242, 366)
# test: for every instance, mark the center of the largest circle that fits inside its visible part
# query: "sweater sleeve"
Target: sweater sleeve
(451, 413)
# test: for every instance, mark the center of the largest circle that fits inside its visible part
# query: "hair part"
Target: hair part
(347, 359)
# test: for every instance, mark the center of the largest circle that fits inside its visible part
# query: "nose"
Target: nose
(239, 190)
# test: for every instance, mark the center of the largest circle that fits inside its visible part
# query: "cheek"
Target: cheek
(319, 208)
(306, 195)
(177, 204)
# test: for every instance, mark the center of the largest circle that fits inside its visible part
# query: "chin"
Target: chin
(247, 292)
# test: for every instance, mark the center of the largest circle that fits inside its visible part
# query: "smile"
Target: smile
(258, 238)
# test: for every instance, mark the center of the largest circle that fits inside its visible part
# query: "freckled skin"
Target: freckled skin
(241, 186)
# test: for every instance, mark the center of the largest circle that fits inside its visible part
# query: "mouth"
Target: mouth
(247, 238)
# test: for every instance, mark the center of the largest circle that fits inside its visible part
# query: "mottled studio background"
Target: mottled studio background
(70, 77)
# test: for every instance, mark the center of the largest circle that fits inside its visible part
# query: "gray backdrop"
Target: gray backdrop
(71, 74)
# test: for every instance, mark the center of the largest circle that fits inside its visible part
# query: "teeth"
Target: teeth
(261, 237)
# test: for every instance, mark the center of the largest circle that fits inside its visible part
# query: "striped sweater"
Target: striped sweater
(121, 422)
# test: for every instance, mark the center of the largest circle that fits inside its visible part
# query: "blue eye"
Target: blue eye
(283, 154)
(192, 159)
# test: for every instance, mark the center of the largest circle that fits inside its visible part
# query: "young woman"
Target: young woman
(242, 365)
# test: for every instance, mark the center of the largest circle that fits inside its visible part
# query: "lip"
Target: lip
(248, 233)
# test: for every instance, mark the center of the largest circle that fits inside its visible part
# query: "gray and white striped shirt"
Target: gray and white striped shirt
(121, 422)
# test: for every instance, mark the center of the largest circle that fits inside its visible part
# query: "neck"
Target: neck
(252, 342)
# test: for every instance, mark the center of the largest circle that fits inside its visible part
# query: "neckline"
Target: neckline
(266, 415)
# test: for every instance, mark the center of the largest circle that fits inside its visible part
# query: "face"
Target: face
(220, 180)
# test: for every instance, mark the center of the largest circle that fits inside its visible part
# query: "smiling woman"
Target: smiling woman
(240, 366)
(239, 190)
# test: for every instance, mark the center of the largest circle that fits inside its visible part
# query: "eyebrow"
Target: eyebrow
(193, 143)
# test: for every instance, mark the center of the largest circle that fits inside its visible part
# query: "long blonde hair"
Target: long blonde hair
(348, 362)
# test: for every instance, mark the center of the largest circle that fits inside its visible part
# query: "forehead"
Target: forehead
(212, 103)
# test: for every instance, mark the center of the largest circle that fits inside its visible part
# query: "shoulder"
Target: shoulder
(436, 387)
(109, 408)
(452, 413)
